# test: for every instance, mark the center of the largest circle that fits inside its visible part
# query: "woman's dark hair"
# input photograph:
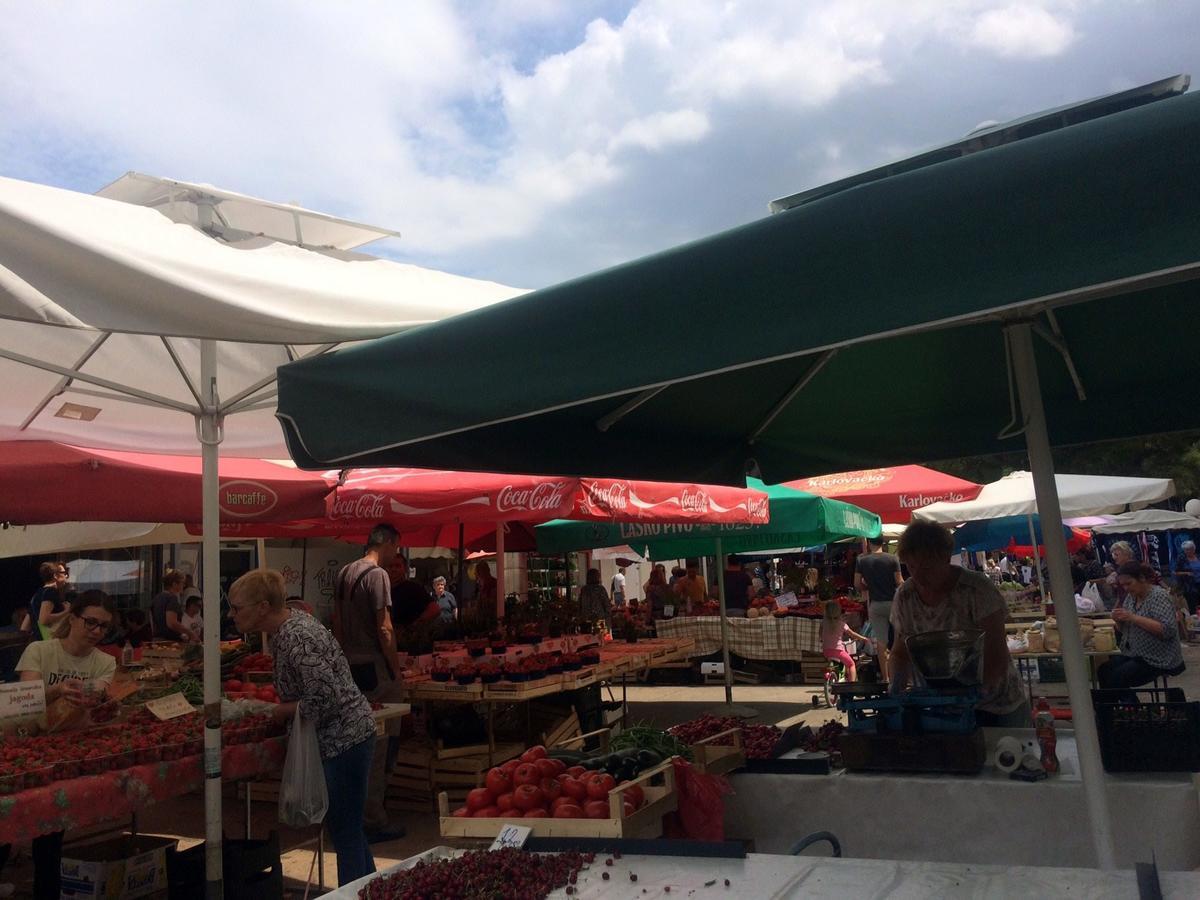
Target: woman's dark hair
(47, 571)
(926, 539)
(593, 576)
(79, 603)
(1135, 569)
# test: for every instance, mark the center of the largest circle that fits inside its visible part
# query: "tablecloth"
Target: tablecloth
(785, 637)
(778, 877)
(988, 818)
(114, 796)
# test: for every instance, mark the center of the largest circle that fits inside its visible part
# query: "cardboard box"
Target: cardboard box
(120, 869)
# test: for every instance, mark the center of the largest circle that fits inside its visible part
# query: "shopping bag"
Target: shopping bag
(303, 799)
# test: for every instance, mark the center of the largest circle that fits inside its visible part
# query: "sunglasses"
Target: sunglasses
(64, 572)
(93, 624)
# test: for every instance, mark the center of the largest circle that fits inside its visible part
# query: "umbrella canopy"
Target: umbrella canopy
(903, 281)
(45, 482)
(1009, 533)
(118, 295)
(412, 498)
(1146, 520)
(796, 519)
(1080, 495)
(892, 493)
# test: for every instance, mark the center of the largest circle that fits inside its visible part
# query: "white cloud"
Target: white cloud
(1022, 30)
(659, 130)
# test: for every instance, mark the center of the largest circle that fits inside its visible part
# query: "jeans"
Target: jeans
(47, 863)
(1126, 672)
(346, 783)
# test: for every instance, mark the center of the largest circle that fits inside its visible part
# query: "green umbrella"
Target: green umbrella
(945, 307)
(797, 519)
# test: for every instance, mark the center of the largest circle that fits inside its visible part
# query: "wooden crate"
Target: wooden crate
(524, 690)
(445, 691)
(643, 823)
(717, 759)
(564, 729)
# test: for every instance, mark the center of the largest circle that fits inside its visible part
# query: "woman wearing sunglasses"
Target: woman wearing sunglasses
(75, 671)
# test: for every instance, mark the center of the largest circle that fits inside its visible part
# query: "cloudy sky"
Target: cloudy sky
(529, 141)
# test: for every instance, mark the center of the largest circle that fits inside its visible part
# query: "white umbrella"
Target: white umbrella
(1146, 520)
(146, 319)
(1079, 495)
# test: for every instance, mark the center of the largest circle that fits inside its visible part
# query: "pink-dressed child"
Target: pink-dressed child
(833, 633)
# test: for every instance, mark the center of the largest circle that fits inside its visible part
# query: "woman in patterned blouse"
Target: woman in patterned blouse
(311, 673)
(1149, 634)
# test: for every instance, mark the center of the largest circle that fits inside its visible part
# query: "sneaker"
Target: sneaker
(382, 835)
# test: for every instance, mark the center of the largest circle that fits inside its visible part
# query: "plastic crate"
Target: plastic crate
(1147, 730)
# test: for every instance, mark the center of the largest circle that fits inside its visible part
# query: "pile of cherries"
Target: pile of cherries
(509, 873)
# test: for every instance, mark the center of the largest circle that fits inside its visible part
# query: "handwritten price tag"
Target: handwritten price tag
(21, 699)
(511, 836)
(171, 706)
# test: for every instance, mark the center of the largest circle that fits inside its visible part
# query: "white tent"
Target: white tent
(1079, 495)
(154, 318)
(1146, 520)
(47, 540)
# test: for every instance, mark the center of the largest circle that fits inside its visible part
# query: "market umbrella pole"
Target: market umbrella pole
(209, 428)
(729, 708)
(1041, 464)
(1037, 563)
(500, 592)
(462, 567)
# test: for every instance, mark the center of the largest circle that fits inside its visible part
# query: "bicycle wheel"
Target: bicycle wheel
(830, 680)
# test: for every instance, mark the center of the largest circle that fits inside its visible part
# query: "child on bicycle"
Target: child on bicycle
(834, 630)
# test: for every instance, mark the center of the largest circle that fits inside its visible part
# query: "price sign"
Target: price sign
(22, 698)
(511, 836)
(171, 706)
(787, 601)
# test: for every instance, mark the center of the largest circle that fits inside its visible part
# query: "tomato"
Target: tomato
(487, 812)
(561, 801)
(599, 784)
(511, 814)
(562, 776)
(461, 813)
(568, 811)
(498, 781)
(534, 753)
(233, 685)
(526, 773)
(527, 797)
(551, 789)
(577, 771)
(546, 767)
(635, 795)
(538, 813)
(575, 789)
(559, 766)
(479, 798)
(596, 809)
(505, 801)
(267, 695)
(627, 808)
(510, 766)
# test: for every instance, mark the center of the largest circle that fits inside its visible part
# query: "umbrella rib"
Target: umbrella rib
(231, 405)
(795, 389)
(65, 381)
(187, 379)
(606, 422)
(1055, 339)
(155, 399)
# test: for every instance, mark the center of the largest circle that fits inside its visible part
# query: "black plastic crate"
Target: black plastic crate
(1147, 731)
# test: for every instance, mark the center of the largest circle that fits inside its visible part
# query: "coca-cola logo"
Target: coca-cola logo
(543, 497)
(693, 501)
(614, 495)
(246, 499)
(359, 506)
(758, 509)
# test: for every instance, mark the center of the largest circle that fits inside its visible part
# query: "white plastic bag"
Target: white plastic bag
(303, 799)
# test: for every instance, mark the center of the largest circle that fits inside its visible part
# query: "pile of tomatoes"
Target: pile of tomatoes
(248, 690)
(254, 662)
(534, 786)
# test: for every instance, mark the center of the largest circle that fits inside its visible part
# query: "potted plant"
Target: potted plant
(464, 673)
(441, 671)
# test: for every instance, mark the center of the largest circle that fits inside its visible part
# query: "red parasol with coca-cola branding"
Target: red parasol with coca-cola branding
(891, 493)
(43, 482)
(415, 498)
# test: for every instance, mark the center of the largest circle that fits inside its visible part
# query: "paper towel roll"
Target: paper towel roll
(1008, 754)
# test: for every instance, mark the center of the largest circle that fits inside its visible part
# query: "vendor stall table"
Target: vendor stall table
(1027, 665)
(988, 818)
(776, 876)
(114, 796)
(767, 637)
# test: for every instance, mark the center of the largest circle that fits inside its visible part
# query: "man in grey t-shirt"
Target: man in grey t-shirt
(877, 574)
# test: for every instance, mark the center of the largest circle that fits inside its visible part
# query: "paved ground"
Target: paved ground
(661, 706)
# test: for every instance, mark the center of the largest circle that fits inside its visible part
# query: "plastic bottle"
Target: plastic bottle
(127, 654)
(1043, 726)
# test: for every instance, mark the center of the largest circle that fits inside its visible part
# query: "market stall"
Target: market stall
(766, 637)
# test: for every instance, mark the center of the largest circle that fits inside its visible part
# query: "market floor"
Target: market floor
(662, 706)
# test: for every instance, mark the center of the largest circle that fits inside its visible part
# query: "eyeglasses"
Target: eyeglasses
(63, 573)
(235, 608)
(94, 624)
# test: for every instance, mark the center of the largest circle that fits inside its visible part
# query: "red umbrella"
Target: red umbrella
(891, 493)
(43, 482)
(1077, 541)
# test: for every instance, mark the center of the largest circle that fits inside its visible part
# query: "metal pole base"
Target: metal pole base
(734, 710)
